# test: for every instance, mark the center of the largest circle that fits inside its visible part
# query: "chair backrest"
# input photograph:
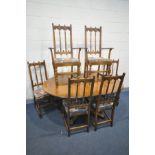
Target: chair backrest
(79, 87)
(110, 88)
(62, 39)
(111, 70)
(93, 40)
(114, 67)
(38, 73)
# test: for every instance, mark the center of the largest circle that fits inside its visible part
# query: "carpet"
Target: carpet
(48, 136)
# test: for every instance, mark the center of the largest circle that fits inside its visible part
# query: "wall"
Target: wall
(112, 15)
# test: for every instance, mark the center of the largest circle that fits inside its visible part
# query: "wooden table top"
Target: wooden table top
(61, 90)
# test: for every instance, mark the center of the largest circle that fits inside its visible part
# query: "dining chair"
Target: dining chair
(103, 106)
(62, 52)
(110, 70)
(94, 53)
(77, 104)
(38, 74)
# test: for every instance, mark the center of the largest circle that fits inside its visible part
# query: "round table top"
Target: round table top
(61, 89)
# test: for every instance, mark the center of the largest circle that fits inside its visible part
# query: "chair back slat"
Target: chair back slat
(114, 67)
(108, 81)
(77, 89)
(95, 40)
(90, 40)
(84, 88)
(40, 73)
(113, 86)
(65, 40)
(100, 41)
(44, 66)
(62, 39)
(71, 46)
(36, 73)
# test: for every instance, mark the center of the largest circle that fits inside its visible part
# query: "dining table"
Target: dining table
(60, 89)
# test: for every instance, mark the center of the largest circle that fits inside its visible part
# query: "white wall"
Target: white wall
(112, 15)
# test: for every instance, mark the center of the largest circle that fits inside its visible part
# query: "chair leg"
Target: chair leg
(68, 124)
(69, 133)
(95, 121)
(108, 68)
(85, 70)
(78, 67)
(56, 75)
(88, 120)
(98, 71)
(112, 116)
(38, 109)
(90, 69)
(71, 71)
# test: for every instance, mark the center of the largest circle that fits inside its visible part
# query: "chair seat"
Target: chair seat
(40, 93)
(66, 61)
(75, 111)
(99, 60)
(104, 106)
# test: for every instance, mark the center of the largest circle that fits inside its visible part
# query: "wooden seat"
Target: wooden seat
(66, 61)
(99, 60)
(103, 106)
(93, 51)
(38, 74)
(62, 52)
(39, 93)
(78, 105)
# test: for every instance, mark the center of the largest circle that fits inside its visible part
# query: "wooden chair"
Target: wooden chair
(38, 74)
(77, 104)
(110, 70)
(93, 48)
(103, 106)
(63, 47)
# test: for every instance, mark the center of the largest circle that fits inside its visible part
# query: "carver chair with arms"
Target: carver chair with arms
(62, 52)
(94, 53)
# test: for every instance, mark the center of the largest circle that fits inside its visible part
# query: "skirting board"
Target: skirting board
(28, 101)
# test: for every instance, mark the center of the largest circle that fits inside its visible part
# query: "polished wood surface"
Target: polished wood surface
(61, 89)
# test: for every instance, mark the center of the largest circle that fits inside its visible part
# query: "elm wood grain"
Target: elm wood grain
(95, 51)
(58, 50)
(61, 89)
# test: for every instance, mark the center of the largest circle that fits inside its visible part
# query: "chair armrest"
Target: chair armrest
(79, 51)
(108, 48)
(51, 48)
